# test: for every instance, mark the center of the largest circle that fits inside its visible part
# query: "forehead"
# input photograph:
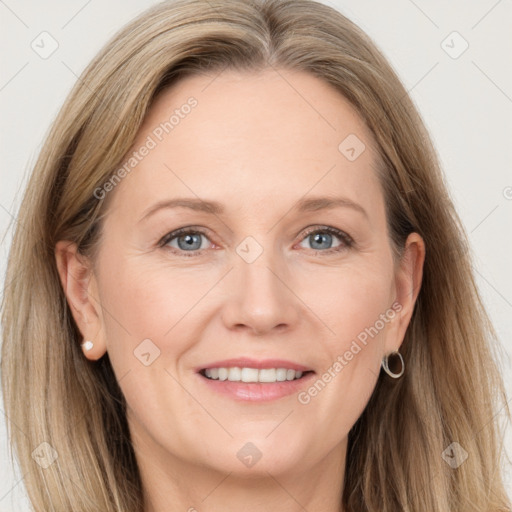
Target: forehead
(262, 137)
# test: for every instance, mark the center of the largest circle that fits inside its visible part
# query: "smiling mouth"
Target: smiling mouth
(253, 375)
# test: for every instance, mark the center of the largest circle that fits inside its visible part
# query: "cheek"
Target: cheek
(349, 299)
(151, 301)
(150, 322)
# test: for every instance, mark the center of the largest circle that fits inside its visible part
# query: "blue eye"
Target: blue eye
(322, 239)
(188, 242)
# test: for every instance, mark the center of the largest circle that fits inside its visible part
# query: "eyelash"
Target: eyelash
(347, 241)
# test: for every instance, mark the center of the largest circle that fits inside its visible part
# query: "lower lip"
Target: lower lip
(257, 391)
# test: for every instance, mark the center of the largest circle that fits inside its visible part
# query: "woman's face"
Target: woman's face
(284, 261)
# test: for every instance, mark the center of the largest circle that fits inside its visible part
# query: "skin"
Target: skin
(257, 145)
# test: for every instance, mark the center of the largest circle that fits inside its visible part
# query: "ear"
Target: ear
(80, 287)
(408, 278)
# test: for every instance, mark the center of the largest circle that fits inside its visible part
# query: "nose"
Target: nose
(261, 297)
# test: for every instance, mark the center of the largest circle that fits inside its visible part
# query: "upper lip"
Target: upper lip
(245, 362)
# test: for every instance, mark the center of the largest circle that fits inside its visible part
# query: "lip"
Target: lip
(257, 391)
(246, 362)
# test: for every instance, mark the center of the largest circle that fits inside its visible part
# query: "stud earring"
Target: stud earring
(87, 345)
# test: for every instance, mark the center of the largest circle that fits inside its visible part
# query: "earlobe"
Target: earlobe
(91, 350)
(77, 282)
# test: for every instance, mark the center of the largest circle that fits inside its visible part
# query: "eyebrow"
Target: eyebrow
(311, 204)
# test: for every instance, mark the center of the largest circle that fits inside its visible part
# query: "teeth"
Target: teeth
(281, 374)
(267, 375)
(247, 375)
(237, 374)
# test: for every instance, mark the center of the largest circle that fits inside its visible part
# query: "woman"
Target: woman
(178, 336)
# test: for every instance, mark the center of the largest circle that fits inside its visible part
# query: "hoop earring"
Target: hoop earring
(87, 345)
(385, 365)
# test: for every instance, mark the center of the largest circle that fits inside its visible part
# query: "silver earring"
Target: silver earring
(87, 345)
(385, 365)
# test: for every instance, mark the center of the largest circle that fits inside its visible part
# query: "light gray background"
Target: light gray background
(466, 103)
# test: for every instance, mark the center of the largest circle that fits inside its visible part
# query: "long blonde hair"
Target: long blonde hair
(52, 393)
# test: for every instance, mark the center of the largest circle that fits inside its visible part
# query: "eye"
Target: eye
(322, 238)
(184, 240)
